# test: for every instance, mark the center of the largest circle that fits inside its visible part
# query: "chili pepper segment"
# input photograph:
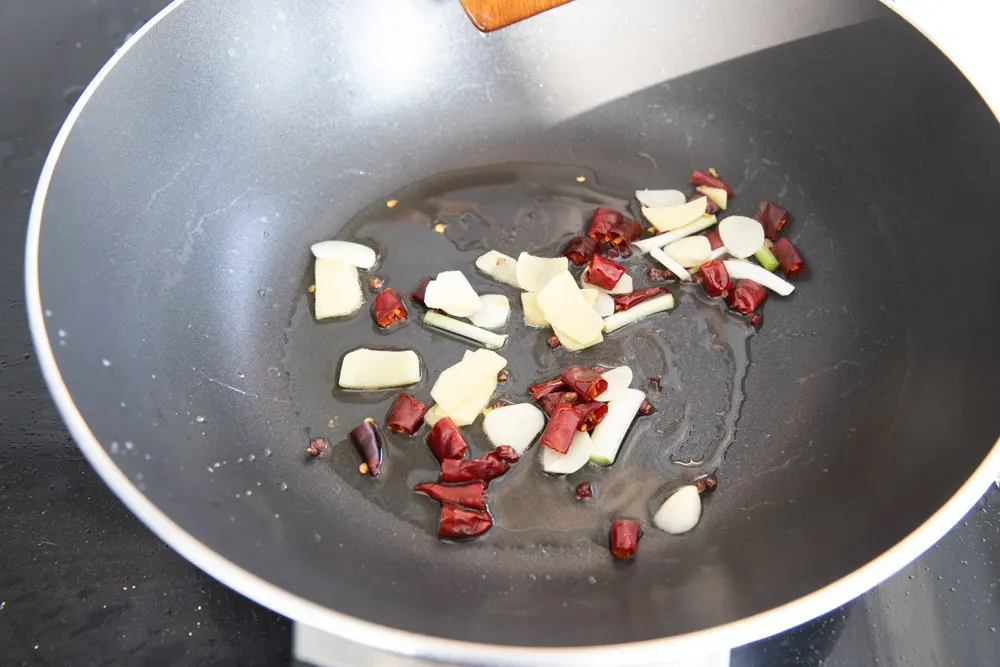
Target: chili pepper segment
(368, 441)
(471, 495)
(388, 308)
(584, 381)
(580, 249)
(602, 222)
(405, 414)
(446, 441)
(459, 522)
(623, 539)
(604, 273)
(558, 433)
(487, 467)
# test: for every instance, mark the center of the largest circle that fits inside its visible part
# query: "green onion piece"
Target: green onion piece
(766, 258)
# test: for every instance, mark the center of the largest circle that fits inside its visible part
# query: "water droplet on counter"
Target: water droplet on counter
(129, 445)
(282, 486)
(62, 333)
(122, 404)
(200, 419)
(591, 580)
(267, 452)
(261, 292)
(105, 363)
(240, 374)
(251, 457)
(317, 538)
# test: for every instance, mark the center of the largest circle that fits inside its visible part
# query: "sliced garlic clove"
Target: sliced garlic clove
(494, 313)
(741, 235)
(354, 254)
(452, 293)
(516, 426)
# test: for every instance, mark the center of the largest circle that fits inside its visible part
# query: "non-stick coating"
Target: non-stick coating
(175, 242)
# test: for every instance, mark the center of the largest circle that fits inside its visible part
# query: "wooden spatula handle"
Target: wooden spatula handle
(493, 14)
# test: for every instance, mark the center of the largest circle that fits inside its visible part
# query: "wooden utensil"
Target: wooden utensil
(490, 15)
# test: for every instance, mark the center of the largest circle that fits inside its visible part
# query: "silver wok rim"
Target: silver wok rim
(422, 646)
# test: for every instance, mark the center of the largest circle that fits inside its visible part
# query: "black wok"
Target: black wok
(168, 261)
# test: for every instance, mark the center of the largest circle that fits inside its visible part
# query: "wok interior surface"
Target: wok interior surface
(175, 243)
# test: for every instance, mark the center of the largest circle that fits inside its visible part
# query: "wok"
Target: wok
(168, 258)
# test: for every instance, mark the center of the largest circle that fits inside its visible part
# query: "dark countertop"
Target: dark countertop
(82, 582)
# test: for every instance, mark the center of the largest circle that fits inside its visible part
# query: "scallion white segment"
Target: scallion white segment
(618, 380)
(741, 235)
(494, 312)
(608, 436)
(660, 198)
(690, 252)
(354, 254)
(452, 293)
(671, 263)
(482, 336)
(534, 273)
(639, 311)
(672, 217)
(516, 426)
(581, 448)
(499, 267)
(338, 290)
(740, 269)
(699, 225)
(680, 512)
(379, 369)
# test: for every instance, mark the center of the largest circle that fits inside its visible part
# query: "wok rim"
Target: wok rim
(379, 637)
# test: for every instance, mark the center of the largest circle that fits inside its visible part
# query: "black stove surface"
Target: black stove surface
(82, 582)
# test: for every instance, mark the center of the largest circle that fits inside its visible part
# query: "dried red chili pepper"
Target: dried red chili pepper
(317, 446)
(550, 401)
(388, 308)
(626, 301)
(746, 296)
(771, 217)
(789, 260)
(624, 538)
(699, 177)
(539, 389)
(604, 219)
(587, 382)
(623, 233)
(563, 423)
(459, 522)
(489, 466)
(604, 272)
(714, 238)
(715, 278)
(446, 441)
(584, 490)
(471, 494)
(711, 208)
(580, 249)
(405, 414)
(420, 289)
(706, 483)
(593, 413)
(368, 441)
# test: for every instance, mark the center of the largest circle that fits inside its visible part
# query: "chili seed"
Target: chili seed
(584, 490)
(376, 283)
(645, 409)
(656, 381)
(706, 484)
(503, 376)
(553, 342)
